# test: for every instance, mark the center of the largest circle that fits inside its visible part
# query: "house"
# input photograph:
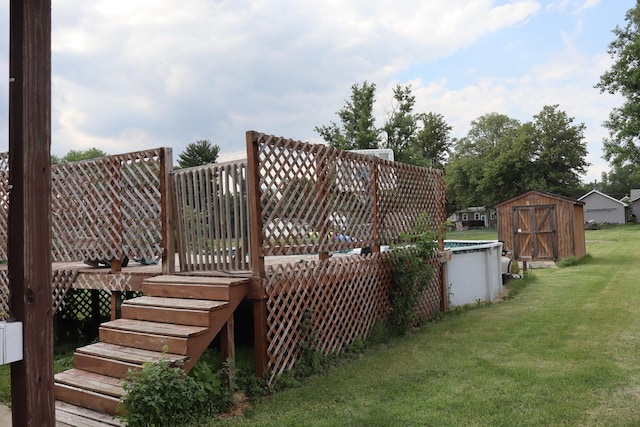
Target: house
(540, 226)
(634, 199)
(604, 209)
(473, 217)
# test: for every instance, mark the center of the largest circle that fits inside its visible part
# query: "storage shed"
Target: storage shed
(539, 226)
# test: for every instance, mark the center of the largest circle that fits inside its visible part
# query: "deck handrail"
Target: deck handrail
(103, 209)
(311, 198)
(211, 215)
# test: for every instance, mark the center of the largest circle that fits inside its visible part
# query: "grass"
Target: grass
(563, 352)
(480, 234)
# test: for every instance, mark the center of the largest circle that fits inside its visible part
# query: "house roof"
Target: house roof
(603, 195)
(542, 193)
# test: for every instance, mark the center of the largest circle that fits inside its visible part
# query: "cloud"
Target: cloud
(135, 74)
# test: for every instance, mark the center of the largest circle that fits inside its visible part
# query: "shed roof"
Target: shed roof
(542, 193)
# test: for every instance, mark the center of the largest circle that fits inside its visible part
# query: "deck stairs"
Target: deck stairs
(176, 318)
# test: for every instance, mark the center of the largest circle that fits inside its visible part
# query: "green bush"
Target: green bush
(411, 274)
(161, 395)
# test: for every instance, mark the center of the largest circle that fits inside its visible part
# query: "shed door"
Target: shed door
(535, 233)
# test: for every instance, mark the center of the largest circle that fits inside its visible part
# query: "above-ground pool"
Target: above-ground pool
(474, 272)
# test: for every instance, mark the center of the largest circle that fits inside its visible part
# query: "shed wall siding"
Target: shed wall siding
(569, 223)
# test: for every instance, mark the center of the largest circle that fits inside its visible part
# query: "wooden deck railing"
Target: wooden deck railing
(212, 217)
(102, 209)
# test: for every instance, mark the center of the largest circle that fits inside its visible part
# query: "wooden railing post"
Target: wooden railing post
(117, 236)
(257, 254)
(166, 204)
(373, 196)
(322, 197)
(255, 207)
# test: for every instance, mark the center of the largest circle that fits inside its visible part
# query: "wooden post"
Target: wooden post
(117, 238)
(166, 203)
(228, 350)
(29, 243)
(322, 228)
(257, 255)
(116, 302)
(255, 207)
(260, 336)
(373, 205)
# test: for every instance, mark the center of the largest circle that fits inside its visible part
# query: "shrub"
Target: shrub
(411, 273)
(161, 395)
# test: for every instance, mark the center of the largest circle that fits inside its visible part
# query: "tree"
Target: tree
(620, 180)
(501, 158)
(357, 129)
(418, 139)
(401, 126)
(432, 144)
(78, 155)
(198, 153)
(622, 145)
(480, 171)
(560, 151)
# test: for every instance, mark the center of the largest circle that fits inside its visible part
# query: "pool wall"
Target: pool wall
(474, 272)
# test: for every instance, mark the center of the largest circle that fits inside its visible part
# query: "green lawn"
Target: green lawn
(484, 234)
(564, 352)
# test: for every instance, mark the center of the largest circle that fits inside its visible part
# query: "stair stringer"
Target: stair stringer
(219, 318)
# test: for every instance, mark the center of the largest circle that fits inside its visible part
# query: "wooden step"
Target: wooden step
(173, 286)
(91, 381)
(179, 311)
(146, 335)
(198, 280)
(76, 416)
(89, 390)
(116, 360)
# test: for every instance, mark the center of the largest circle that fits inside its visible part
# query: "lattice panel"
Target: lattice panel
(345, 297)
(4, 204)
(106, 281)
(107, 208)
(78, 304)
(405, 193)
(141, 208)
(315, 198)
(4, 295)
(212, 217)
(62, 281)
(100, 209)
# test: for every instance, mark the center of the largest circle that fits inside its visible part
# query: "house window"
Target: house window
(476, 216)
(493, 215)
(465, 216)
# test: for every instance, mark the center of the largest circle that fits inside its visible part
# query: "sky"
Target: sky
(129, 75)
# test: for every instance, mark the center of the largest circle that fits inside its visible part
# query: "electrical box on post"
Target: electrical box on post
(10, 342)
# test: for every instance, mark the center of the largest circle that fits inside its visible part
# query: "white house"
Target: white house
(473, 217)
(603, 209)
(635, 203)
